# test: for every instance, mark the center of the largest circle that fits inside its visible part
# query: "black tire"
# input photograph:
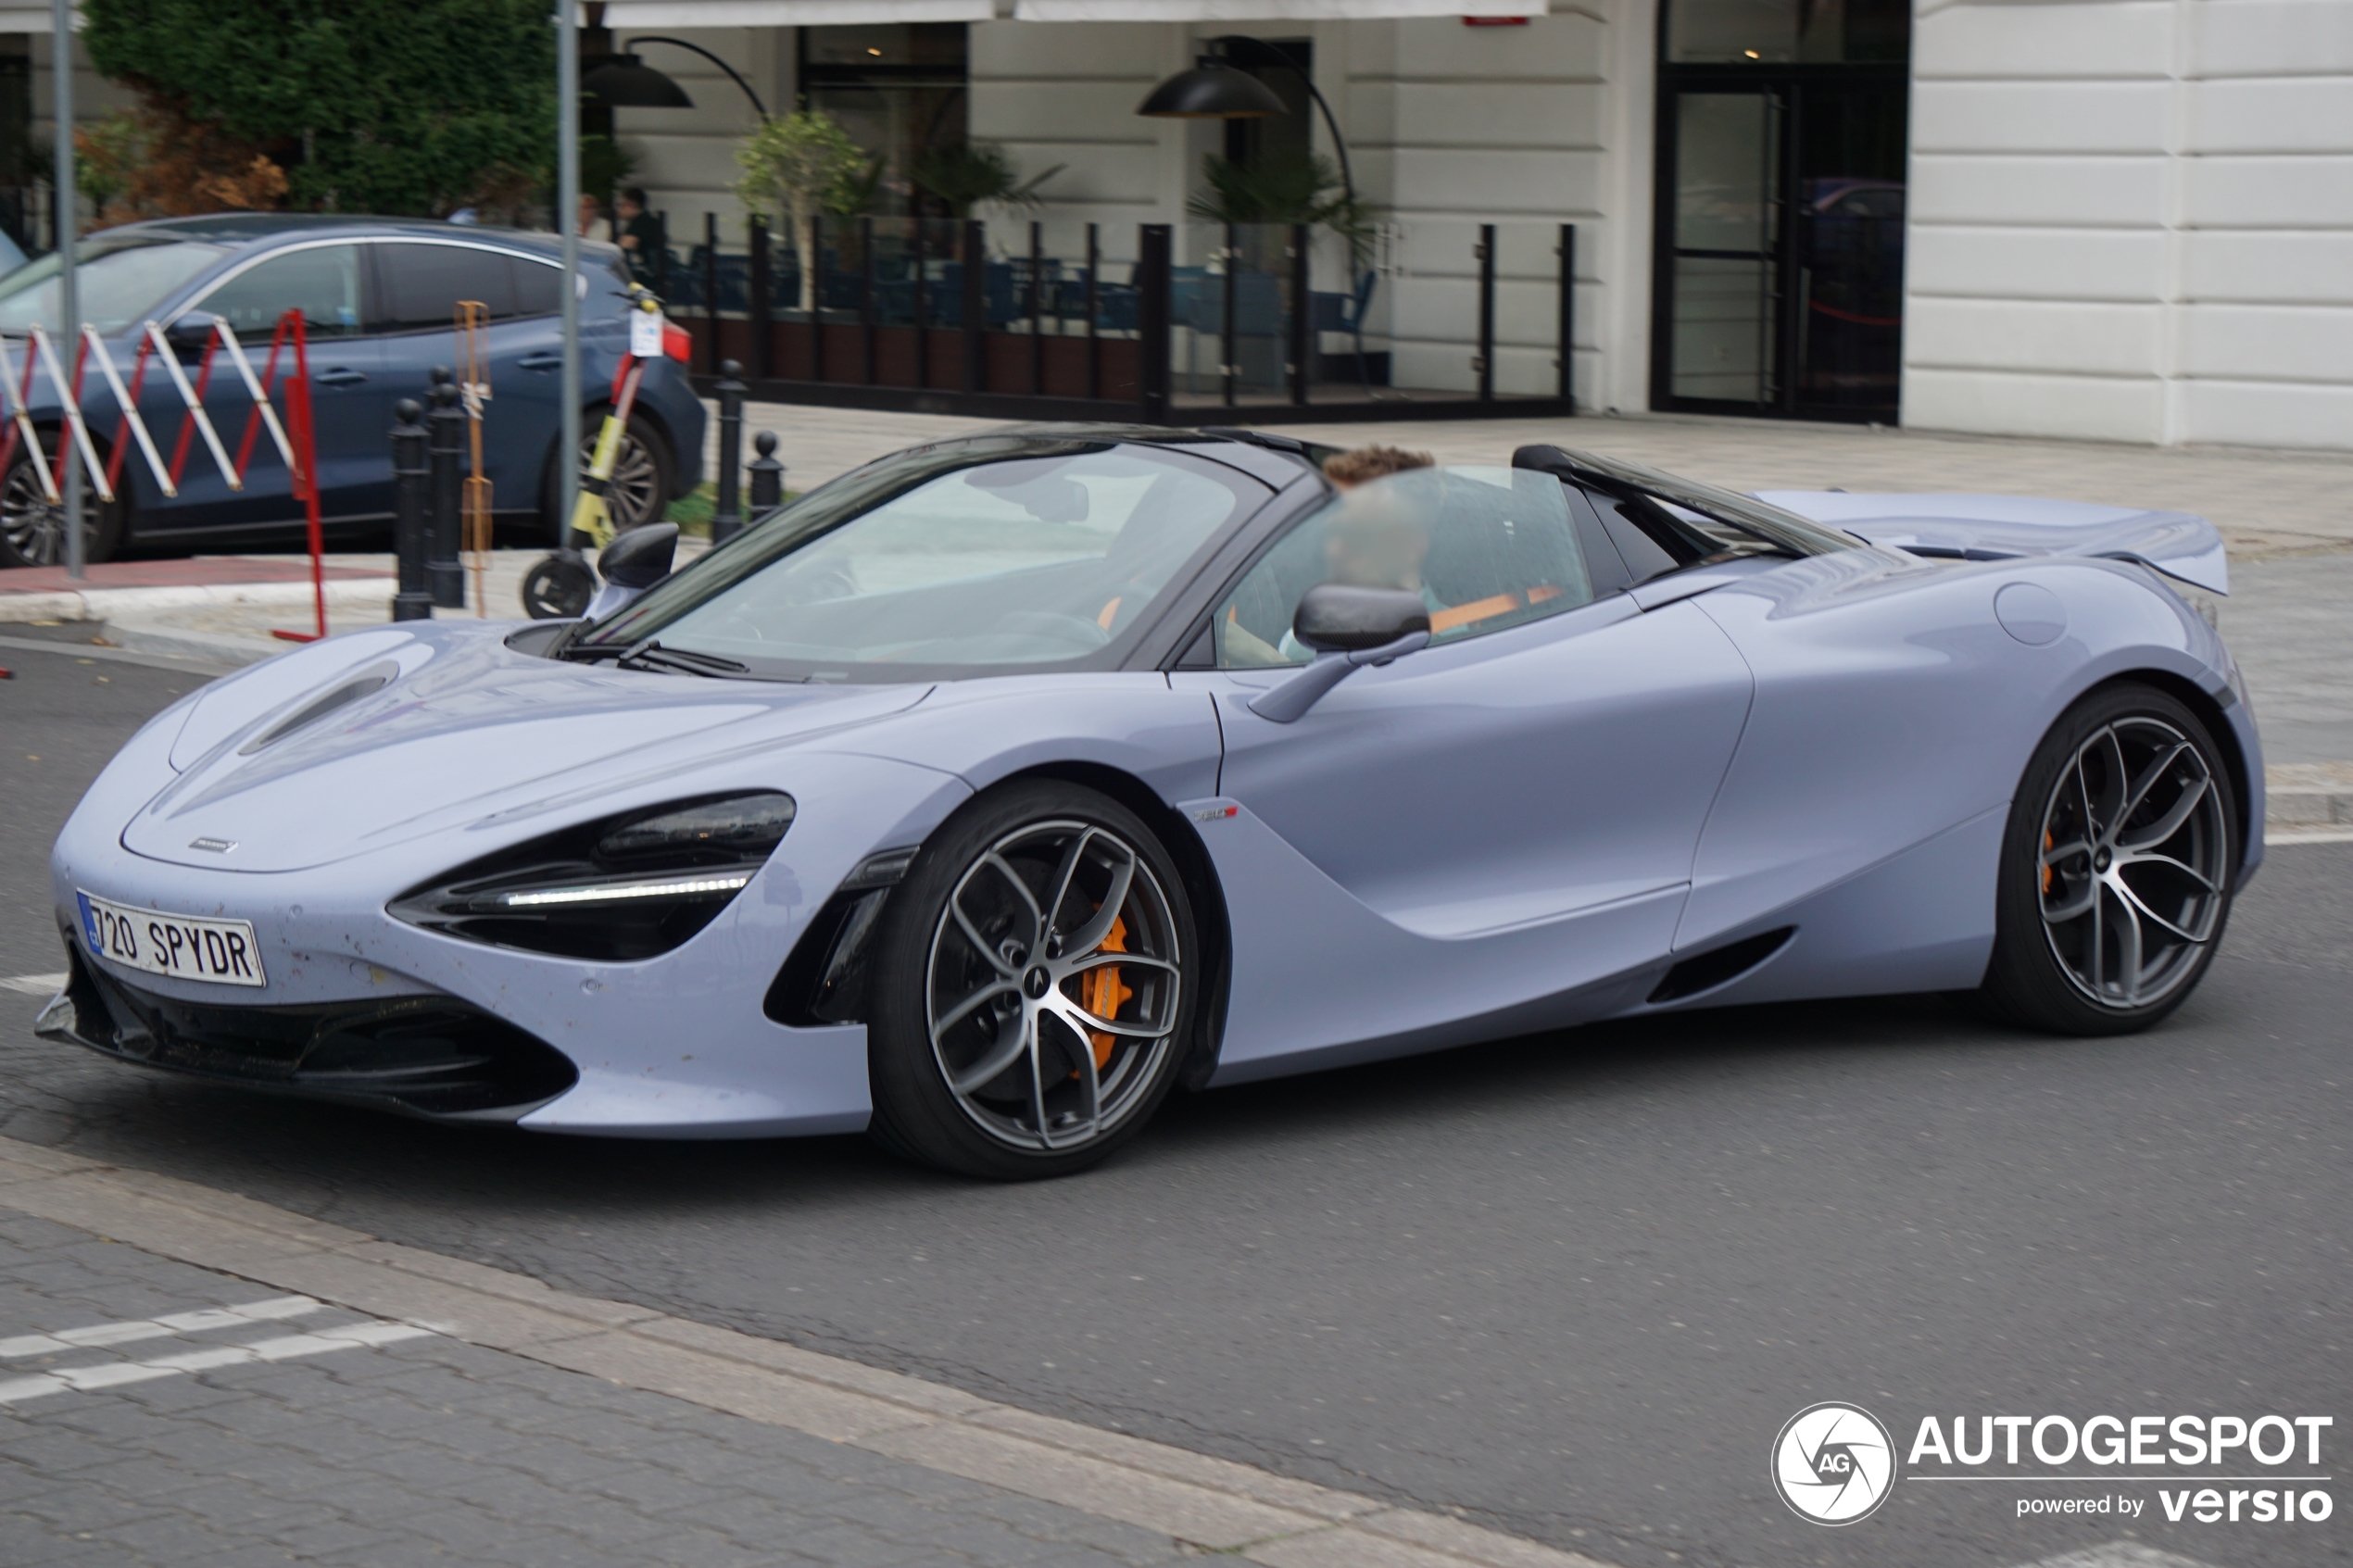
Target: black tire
(644, 476)
(1089, 1091)
(2128, 781)
(32, 527)
(557, 588)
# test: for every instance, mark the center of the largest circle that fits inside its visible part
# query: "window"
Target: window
(422, 284)
(323, 280)
(119, 284)
(1487, 548)
(897, 88)
(1046, 555)
(538, 288)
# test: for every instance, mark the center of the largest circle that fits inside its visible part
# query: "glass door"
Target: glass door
(1725, 247)
(1779, 287)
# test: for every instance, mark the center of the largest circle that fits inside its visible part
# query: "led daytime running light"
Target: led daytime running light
(608, 893)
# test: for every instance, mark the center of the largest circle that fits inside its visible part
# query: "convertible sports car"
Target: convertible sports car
(988, 794)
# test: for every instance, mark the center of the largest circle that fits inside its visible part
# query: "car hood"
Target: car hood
(1992, 527)
(447, 730)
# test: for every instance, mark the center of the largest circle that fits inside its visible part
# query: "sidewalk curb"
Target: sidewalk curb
(106, 604)
(179, 642)
(1211, 1504)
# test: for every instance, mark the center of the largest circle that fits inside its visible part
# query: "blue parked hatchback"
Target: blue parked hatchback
(378, 297)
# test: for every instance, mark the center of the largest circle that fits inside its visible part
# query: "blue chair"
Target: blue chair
(1345, 313)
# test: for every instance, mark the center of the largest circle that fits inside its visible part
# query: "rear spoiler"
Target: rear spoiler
(2005, 527)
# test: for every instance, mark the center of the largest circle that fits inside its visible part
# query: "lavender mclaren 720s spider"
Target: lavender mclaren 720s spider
(988, 794)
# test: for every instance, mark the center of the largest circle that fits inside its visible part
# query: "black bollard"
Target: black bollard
(727, 518)
(414, 601)
(445, 443)
(767, 476)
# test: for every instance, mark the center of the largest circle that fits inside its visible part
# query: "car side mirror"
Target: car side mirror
(1348, 628)
(1334, 618)
(637, 560)
(189, 334)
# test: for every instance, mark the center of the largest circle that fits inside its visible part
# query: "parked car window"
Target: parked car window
(422, 284)
(119, 284)
(1034, 557)
(1487, 548)
(323, 281)
(538, 287)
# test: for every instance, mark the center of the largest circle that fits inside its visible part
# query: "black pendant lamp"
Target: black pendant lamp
(627, 82)
(1212, 90)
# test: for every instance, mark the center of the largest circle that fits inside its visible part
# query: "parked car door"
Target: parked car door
(1485, 825)
(326, 281)
(419, 285)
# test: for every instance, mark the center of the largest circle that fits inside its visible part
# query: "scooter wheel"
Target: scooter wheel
(558, 588)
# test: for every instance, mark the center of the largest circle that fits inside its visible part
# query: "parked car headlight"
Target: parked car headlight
(621, 889)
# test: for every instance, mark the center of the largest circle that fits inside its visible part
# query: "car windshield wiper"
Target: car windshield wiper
(650, 654)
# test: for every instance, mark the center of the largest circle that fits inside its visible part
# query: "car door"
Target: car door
(326, 282)
(1468, 841)
(420, 283)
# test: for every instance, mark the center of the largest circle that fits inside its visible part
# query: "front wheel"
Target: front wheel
(32, 527)
(1034, 983)
(2117, 868)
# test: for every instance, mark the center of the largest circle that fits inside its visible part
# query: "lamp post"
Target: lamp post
(1217, 88)
(567, 19)
(69, 297)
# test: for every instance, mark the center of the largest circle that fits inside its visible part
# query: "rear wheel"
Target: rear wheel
(32, 527)
(1035, 984)
(2116, 867)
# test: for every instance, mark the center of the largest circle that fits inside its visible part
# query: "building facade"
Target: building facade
(2116, 220)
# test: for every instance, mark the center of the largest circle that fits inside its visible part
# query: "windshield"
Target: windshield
(120, 281)
(978, 558)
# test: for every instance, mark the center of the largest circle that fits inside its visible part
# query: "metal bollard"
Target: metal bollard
(446, 444)
(727, 518)
(414, 601)
(767, 476)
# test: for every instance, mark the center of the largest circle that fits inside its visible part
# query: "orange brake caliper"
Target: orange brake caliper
(1101, 993)
(2046, 869)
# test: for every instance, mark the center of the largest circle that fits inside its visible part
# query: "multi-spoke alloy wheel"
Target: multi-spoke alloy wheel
(2125, 869)
(1048, 997)
(32, 527)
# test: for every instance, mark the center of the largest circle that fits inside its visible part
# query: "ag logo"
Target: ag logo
(1833, 1463)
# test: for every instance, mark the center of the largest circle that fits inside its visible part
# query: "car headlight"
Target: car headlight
(625, 888)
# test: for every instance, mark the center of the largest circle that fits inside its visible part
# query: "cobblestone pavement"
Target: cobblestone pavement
(425, 1449)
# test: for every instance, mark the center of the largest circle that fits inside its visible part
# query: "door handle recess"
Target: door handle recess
(339, 375)
(540, 362)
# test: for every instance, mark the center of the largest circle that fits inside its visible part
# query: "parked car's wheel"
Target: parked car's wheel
(642, 475)
(32, 527)
(2116, 867)
(1033, 987)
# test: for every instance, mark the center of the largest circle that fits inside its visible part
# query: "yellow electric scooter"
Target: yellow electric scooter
(559, 587)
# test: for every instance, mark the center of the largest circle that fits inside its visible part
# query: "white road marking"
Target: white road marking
(110, 1375)
(2332, 834)
(34, 984)
(2118, 1554)
(275, 1310)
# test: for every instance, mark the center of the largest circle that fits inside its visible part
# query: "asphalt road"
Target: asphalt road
(1568, 1286)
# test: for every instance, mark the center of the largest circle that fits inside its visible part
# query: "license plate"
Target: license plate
(184, 947)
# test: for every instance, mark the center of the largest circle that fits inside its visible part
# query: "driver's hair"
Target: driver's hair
(1364, 464)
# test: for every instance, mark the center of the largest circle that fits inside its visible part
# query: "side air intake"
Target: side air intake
(1719, 966)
